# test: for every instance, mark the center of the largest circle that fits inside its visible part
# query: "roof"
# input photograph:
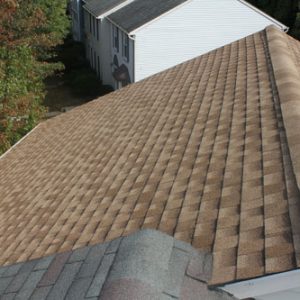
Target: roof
(145, 265)
(98, 8)
(207, 152)
(140, 12)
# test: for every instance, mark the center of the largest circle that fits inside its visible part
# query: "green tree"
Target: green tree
(29, 33)
(284, 11)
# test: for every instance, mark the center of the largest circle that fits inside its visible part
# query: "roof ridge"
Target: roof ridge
(287, 80)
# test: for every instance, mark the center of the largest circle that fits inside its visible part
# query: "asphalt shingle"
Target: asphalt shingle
(64, 281)
(54, 269)
(79, 288)
(100, 277)
(140, 12)
(177, 268)
(21, 277)
(40, 293)
(97, 8)
(29, 286)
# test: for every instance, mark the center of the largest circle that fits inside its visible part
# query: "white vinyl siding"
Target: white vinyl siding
(190, 30)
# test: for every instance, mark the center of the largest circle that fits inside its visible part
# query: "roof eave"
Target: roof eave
(277, 23)
(264, 285)
(121, 28)
(85, 7)
(109, 11)
(21, 140)
(135, 30)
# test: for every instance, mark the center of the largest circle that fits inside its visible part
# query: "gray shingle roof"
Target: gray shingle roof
(99, 7)
(145, 265)
(140, 12)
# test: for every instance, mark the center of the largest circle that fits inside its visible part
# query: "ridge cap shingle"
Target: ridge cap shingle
(287, 80)
(147, 264)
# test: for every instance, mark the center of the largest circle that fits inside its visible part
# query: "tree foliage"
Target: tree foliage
(285, 11)
(29, 32)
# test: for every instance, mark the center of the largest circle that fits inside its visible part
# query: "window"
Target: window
(90, 23)
(91, 57)
(116, 38)
(125, 46)
(98, 60)
(97, 24)
(94, 29)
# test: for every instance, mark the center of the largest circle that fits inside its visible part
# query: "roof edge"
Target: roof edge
(264, 285)
(20, 140)
(134, 31)
(107, 12)
(287, 79)
(259, 11)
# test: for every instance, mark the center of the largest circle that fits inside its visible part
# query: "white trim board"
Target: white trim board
(264, 285)
(279, 24)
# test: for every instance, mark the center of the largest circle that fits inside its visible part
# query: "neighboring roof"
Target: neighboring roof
(100, 7)
(140, 12)
(147, 265)
(207, 151)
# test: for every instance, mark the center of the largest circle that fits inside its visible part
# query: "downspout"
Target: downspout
(132, 37)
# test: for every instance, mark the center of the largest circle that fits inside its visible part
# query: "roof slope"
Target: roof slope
(146, 265)
(100, 7)
(140, 12)
(200, 151)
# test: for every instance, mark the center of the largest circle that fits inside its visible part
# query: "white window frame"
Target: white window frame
(125, 46)
(116, 38)
(97, 28)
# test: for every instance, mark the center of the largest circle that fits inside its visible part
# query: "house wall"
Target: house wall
(190, 30)
(100, 51)
(92, 37)
(106, 53)
(121, 59)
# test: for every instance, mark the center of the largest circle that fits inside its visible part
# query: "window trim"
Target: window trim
(94, 27)
(116, 42)
(90, 23)
(97, 28)
(98, 65)
(125, 46)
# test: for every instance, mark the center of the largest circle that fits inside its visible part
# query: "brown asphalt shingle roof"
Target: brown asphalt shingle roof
(207, 151)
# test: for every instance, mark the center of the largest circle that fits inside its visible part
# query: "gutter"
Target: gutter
(264, 285)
